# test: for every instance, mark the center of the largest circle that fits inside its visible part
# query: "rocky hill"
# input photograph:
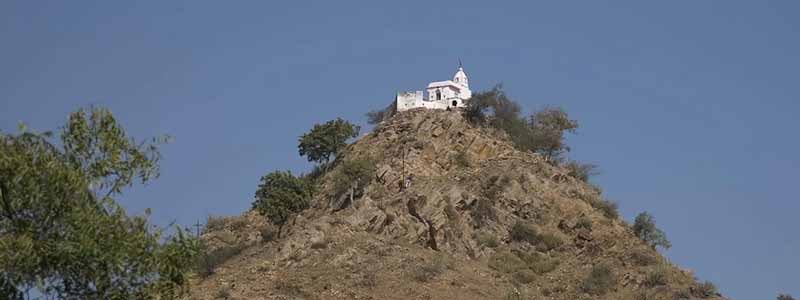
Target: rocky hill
(478, 220)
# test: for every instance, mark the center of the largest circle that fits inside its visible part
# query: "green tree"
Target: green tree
(325, 141)
(280, 195)
(542, 132)
(645, 228)
(63, 234)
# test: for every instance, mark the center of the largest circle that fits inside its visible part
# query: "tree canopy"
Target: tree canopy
(542, 132)
(324, 141)
(645, 228)
(280, 195)
(63, 234)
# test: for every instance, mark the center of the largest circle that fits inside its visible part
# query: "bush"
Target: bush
(524, 232)
(705, 289)
(785, 297)
(428, 271)
(486, 239)
(214, 224)
(353, 176)
(238, 223)
(580, 171)
(584, 222)
(376, 116)
(656, 277)
(645, 228)
(483, 211)
(548, 241)
(506, 262)
(600, 280)
(462, 159)
(524, 276)
(682, 294)
(537, 262)
(268, 234)
(608, 208)
(209, 260)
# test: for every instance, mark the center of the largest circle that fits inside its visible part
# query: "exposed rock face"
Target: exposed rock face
(446, 233)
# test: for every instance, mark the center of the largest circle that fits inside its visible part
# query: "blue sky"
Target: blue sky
(688, 107)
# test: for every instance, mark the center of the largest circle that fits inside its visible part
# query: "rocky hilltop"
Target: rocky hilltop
(476, 219)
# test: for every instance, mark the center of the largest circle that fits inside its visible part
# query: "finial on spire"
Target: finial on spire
(459, 63)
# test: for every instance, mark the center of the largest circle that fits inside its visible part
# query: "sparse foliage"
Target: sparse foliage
(325, 141)
(580, 171)
(549, 126)
(600, 280)
(209, 260)
(705, 289)
(62, 231)
(524, 232)
(645, 228)
(353, 176)
(376, 116)
(542, 132)
(281, 195)
(656, 277)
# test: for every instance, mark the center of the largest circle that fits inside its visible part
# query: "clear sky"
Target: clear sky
(688, 107)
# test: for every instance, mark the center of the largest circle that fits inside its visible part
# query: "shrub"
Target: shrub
(584, 222)
(280, 195)
(462, 159)
(608, 208)
(682, 294)
(538, 262)
(785, 297)
(428, 271)
(642, 257)
(600, 280)
(705, 289)
(238, 223)
(214, 224)
(353, 176)
(524, 276)
(483, 211)
(268, 234)
(548, 241)
(209, 260)
(486, 239)
(506, 262)
(224, 292)
(645, 228)
(376, 116)
(656, 277)
(580, 171)
(524, 232)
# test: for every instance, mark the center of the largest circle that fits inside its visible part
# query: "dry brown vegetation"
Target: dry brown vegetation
(503, 227)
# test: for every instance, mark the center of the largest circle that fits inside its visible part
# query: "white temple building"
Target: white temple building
(439, 95)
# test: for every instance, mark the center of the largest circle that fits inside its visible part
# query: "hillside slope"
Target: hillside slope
(479, 220)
